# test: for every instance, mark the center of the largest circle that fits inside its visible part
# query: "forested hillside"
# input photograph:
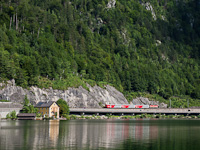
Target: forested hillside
(138, 46)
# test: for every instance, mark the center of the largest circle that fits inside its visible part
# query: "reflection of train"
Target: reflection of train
(129, 106)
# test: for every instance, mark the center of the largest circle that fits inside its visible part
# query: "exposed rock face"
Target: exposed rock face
(111, 4)
(149, 7)
(146, 101)
(75, 97)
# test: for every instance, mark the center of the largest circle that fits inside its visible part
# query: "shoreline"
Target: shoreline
(103, 117)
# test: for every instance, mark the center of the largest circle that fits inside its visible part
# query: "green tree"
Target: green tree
(64, 108)
(28, 108)
(13, 115)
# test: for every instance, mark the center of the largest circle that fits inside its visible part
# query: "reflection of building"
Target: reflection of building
(54, 130)
(48, 109)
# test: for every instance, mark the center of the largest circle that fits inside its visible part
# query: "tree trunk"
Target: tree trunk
(16, 23)
(10, 22)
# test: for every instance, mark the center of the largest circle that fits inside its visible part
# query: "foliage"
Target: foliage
(63, 43)
(73, 117)
(66, 116)
(26, 101)
(56, 114)
(64, 108)
(8, 116)
(4, 100)
(88, 117)
(12, 115)
(101, 104)
(38, 115)
(108, 115)
(28, 108)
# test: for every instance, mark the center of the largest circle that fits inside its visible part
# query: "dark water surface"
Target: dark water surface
(144, 134)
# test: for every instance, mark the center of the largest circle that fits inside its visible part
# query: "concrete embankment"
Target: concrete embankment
(7, 107)
(174, 111)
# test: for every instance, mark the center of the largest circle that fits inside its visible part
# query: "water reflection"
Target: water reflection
(95, 134)
(54, 131)
(107, 134)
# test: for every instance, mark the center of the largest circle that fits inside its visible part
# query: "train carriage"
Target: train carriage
(130, 106)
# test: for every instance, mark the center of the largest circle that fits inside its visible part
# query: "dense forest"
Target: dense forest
(140, 47)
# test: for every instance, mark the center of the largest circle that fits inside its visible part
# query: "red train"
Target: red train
(129, 106)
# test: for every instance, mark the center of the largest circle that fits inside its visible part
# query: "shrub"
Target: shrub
(13, 115)
(101, 105)
(171, 116)
(73, 117)
(87, 117)
(8, 116)
(66, 116)
(38, 115)
(108, 115)
(4, 100)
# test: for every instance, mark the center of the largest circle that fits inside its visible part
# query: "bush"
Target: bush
(8, 116)
(66, 116)
(38, 115)
(101, 105)
(73, 117)
(13, 115)
(108, 115)
(4, 100)
(82, 117)
(87, 117)
(171, 116)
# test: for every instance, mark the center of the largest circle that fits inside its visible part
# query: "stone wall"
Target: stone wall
(5, 111)
(7, 107)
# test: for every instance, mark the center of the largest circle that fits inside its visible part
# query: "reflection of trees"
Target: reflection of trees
(93, 134)
(78, 133)
(26, 132)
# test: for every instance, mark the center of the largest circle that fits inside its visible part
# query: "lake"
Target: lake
(135, 134)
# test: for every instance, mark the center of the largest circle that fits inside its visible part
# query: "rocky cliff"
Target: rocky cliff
(146, 101)
(75, 97)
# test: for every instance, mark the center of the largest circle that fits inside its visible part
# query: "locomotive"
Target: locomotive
(129, 106)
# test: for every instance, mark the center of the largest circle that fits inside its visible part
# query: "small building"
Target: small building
(26, 116)
(48, 109)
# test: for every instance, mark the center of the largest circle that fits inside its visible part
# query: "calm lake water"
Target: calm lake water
(143, 134)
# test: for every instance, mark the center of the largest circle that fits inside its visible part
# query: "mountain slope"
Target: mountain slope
(135, 45)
